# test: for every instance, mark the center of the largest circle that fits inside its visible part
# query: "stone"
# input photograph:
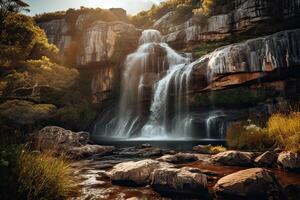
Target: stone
(179, 158)
(267, 159)
(233, 158)
(289, 160)
(183, 181)
(89, 150)
(255, 183)
(135, 173)
(144, 152)
(65, 142)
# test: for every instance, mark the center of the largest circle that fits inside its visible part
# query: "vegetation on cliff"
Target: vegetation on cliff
(281, 130)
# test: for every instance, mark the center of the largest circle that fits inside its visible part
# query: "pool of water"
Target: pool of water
(178, 144)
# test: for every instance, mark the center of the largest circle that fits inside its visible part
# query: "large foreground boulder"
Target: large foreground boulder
(289, 160)
(255, 183)
(61, 141)
(185, 181)
(234, 158)
(135, 173)
(179, 158)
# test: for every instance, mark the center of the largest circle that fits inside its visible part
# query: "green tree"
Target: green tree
(11, 6)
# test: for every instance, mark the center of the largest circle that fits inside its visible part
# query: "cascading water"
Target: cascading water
(156, 74)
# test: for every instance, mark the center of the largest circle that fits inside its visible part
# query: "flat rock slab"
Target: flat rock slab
(135, 173)
(234, 158)
(179, 158)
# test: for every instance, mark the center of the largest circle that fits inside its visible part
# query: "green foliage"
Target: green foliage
(11, 6)
(21, 39)
(45, 17)
(237, 97)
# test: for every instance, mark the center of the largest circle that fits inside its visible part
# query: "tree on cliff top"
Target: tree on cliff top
(11, 6)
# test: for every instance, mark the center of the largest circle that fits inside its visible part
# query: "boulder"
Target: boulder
(233, 158)
(202, 149)
(135, 173)
(61, 141)
(179, 158)
(185, 181)
(255, 183)
(289, 160)
(266, 159)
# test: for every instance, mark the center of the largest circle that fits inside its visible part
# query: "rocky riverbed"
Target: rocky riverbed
(147, 171)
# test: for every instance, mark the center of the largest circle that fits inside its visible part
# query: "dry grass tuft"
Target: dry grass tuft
(42, 176)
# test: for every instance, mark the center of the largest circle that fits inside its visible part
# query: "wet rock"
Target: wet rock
(89, 150)
(289, 160)
(233, 158)
(266, 159)
(255, 183)
(179, 158)
(144, 152)
(135, 173)
(184, 181)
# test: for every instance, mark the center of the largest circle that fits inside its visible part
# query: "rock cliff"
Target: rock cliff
(242, 16)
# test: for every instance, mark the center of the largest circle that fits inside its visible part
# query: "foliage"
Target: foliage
(285, 129)
(21, 39)
(45, 17)
(33, 175)
(245, 135)
(282, 129)
(42, 176)
(11, 6)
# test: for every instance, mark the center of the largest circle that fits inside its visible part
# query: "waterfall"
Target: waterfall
(154, 101)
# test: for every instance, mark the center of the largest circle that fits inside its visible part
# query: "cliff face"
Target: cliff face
(245, 15)
(103, 46)
(96, 45)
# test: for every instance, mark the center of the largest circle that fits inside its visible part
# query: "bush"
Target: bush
(244, 135)
(285, 129)
(42, 176)
(33, 175)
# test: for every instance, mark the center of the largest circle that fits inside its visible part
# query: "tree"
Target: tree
(11, 6)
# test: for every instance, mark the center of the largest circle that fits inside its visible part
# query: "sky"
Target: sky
(132, 6)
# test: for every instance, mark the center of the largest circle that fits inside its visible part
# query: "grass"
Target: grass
(285, 129)
(34, 175)
(281, 130)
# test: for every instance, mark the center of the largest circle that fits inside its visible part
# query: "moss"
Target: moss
(237, 97)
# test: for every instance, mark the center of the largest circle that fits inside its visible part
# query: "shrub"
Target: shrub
(244, 135)
(42, 176)
(216, 149)
(285, 129)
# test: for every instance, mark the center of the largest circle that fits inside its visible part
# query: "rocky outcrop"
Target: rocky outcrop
(233, 158)
(185, 181)
(241, 16)
(102, 40)
(255, 183)
(246, 62)
(65, 142)
(135, 173)
(289, 160)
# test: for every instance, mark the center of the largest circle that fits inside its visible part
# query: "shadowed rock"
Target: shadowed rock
(289, 160)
